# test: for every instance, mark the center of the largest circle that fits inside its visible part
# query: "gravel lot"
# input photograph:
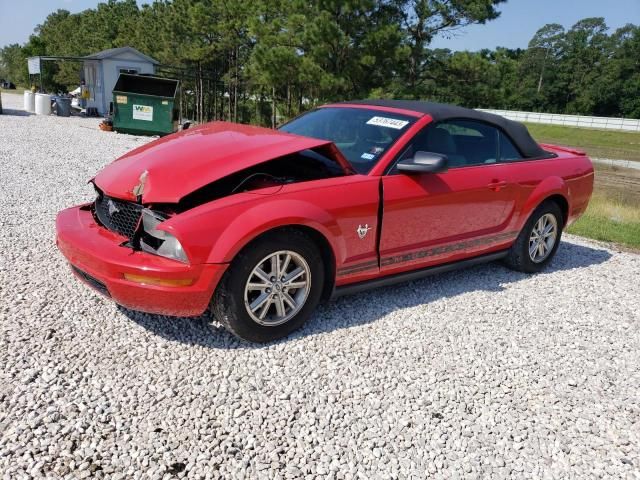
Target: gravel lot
(483, 373)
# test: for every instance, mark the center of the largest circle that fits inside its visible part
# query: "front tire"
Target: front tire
(271, 287)
(538, 240)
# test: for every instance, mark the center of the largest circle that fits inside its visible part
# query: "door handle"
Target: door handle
(496, 185)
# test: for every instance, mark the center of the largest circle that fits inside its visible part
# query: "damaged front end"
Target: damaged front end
(139, 222)
(136, 242)
(156, 241)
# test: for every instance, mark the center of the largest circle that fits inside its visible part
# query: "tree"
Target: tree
(424, 19)
(626, 62)
(356, 43)
(586, 45)
(13, 63)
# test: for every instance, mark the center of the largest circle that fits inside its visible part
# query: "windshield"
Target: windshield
(362, 135)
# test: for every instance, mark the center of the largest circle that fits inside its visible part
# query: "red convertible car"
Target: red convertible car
(260, 224)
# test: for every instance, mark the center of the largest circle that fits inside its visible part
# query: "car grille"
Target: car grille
(91, 281)
(118, 215)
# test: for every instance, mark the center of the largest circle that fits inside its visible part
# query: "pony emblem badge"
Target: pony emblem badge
(362, 231)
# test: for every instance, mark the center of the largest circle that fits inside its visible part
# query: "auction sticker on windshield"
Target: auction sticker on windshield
(387, 122)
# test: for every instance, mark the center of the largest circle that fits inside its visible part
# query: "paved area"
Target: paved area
(618, 163)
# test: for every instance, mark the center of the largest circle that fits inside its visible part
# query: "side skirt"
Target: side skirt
(352, 288)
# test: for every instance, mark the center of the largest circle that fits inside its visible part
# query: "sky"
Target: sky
(514, 28)
(520, 19)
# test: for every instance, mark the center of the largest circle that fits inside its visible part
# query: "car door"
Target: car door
(435, 217)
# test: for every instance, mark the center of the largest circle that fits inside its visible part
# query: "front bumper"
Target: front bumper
(98, 258)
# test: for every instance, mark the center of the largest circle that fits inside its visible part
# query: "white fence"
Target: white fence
(602, 123)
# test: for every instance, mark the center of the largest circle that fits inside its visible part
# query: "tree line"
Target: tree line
(263, 61)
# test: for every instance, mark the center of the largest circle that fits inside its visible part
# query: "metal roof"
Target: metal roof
(112, 52)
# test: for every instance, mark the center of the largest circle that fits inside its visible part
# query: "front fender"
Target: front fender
(211, 234)
(548, 187)
(266, 216)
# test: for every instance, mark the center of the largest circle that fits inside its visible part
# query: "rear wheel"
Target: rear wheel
(271, 287)
(538, 241)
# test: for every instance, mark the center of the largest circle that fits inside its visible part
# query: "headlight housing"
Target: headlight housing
(157, 241)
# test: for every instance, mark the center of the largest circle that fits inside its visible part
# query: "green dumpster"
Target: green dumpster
(144, 105)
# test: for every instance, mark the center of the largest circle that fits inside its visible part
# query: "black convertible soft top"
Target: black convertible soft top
(440, 111)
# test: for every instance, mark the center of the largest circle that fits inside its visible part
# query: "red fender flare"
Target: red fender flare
(548, 187)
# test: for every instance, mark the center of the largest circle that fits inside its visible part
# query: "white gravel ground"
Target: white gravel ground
(483, 373)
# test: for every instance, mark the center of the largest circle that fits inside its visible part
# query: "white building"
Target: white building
(101, 71)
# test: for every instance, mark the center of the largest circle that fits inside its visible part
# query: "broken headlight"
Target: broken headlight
(157, 241)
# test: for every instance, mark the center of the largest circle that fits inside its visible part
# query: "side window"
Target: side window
(464, 142)
(508, 152)
(468, 142)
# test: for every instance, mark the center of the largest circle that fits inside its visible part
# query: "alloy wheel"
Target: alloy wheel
(277, 288)
(543, 238)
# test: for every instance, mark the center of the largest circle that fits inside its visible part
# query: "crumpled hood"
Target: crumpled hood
(178, 164)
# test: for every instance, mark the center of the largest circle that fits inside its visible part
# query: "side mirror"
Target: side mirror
(424, 162)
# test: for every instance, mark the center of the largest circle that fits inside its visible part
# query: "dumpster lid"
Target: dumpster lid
(146, 85)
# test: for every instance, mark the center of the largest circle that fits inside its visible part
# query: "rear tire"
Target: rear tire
(271, 287)
(538, 240)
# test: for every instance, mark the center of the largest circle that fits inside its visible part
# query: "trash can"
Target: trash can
(144, 105)
(63, 107)
(29, 101)
(43, 104)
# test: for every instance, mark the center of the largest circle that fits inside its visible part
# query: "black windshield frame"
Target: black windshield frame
(332, 124)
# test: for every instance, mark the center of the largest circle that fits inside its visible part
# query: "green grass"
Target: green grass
(613, 214)
(610, 220)
(597, 143)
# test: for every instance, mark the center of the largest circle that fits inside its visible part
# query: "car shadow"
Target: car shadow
(363, 308)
